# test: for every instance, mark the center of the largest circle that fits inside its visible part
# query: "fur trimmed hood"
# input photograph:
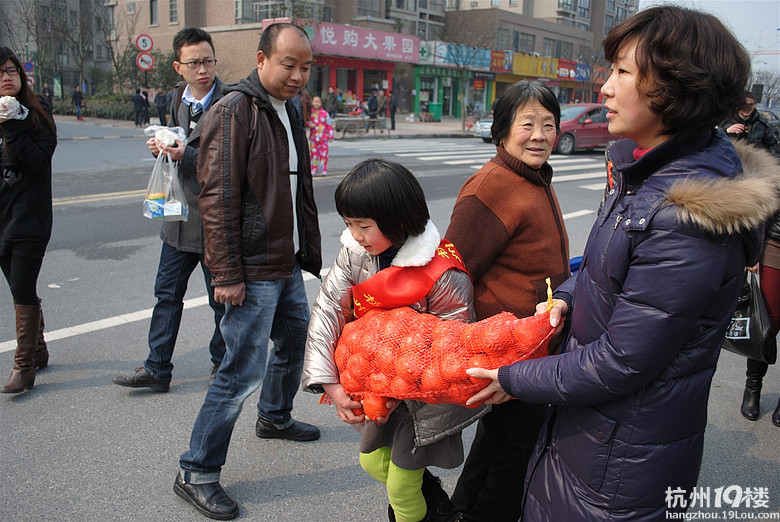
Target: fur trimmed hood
(416, 251)
(731, 205)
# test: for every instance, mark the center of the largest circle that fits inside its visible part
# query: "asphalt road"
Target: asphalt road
(77, 447)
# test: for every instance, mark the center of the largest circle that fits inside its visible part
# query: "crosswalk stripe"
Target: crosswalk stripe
(458, 152)
(463, 161)
(593, 186)
(577, 177)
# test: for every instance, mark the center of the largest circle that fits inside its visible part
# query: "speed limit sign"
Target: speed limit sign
(144, 43)
(144, 61)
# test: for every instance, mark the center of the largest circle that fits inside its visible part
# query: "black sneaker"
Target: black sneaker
(210, 499)
(142, 379)
(299, 431)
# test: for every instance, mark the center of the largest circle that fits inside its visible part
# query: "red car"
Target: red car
(583, 126)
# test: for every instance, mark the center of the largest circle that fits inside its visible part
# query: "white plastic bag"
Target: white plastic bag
(165, 136)
(11, 109)
(164, 194)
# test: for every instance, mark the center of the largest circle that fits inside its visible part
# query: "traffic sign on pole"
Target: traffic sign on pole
(144, 61)
(28, 67)
(144, 42)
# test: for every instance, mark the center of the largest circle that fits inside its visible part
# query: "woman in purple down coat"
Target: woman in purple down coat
(659, 280)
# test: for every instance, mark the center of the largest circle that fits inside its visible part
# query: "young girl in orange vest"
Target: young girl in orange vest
(392, 256)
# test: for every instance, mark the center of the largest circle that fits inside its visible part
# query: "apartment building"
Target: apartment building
(60, 42)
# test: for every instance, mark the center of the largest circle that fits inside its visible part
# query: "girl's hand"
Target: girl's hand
(392, 404)
(345, 406)
(493, 393)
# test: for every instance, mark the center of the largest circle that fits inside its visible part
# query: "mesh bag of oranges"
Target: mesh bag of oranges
(404, 354)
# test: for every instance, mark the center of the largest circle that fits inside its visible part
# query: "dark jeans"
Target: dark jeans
(170, 286)
(162, 115)
(139, 118)
(490, 487)
(274, 310)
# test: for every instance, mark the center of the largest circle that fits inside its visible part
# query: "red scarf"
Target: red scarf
(398, 286)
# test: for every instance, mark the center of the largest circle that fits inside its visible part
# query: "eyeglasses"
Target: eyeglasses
(208, 62)
(12, 71)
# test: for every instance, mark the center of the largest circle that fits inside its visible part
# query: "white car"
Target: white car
(482, 129)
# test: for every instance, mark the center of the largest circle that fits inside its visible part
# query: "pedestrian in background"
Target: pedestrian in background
(257, 276)
(182, 241)
(25, 216)
(162, 105)
(381, 103)
(76, 99)
(138, 107)
(332, 102)
(392, 107)
(320, 136)
(48, 94)
(663, 266)
(145, 94)
(522, 241)
(750, 126)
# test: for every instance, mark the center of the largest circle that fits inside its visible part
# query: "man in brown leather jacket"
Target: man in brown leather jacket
(261, 230)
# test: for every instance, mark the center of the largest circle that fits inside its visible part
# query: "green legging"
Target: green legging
(404, 486)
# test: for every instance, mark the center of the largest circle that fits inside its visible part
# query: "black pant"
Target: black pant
(490, 488)
(756, 369)
(22, 276)
(139, 118)
(392, 120)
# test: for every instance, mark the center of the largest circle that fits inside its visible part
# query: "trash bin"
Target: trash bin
(435, 109)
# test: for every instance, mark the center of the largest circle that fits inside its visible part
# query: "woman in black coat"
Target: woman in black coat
(25, 212)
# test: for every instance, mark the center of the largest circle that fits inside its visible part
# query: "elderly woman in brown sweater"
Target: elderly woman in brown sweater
(521, 240)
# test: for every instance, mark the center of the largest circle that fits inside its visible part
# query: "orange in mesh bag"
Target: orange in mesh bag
(404, 354)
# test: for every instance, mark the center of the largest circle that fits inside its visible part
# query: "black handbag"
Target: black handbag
(750, 333)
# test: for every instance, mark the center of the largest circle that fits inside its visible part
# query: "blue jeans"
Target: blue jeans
(173, 274)
(78, 111)
(275, 310)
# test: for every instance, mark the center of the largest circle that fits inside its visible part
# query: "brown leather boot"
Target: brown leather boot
(28, 324)
(41, 351)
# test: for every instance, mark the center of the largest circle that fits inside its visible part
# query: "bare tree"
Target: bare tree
(78, 34)
(770, 79)
(466, 35)
(34, 23)
(110, 25)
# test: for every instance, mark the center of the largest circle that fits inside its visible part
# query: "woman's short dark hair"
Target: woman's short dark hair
(386, 192)
(38, 115)
(518, 95)
(693, 70)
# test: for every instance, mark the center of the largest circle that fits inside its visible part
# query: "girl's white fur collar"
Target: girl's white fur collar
(417, 251)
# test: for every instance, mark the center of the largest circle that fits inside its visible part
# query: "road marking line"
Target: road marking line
(110, 322)
(98, 197)
(578, 213)
(461, 162)
(593, 186)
